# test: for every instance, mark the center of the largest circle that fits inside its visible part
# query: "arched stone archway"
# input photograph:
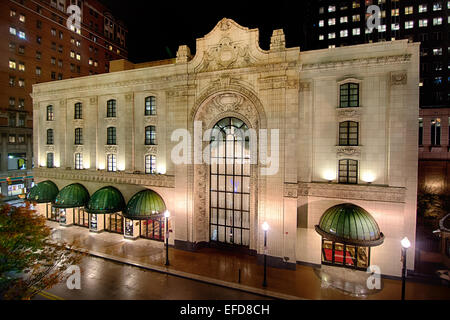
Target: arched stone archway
(214, 105)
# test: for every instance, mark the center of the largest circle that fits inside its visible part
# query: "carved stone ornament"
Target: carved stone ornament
(225, 55)
(110, 149)
(111, 122)
(348, 151)
(399, 78)
(150, 120)
(277, 41)
(291, 190)
(93, 100)
(348, 114)
(305, 86)
(50, 148)
(78, 149)
(78, 123)
(225, 25)
(151, 150)
(129, 97)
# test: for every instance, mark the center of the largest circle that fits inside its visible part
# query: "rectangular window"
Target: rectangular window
(112, 162)
(150, 135)
(111, 136)
(150, 164)
(344, 33)
(348, 133)
(150, 106)
(50, 163)
(437, 6)
(21, 138)
(78, 136)
(12, 64)
(78, 111)
(22, 35)
(436, 132)
(422, 8)
(111, 109)
(38, 55)
(409, 24)
(50, 137)
(12, 102)
(423, 23)
(356, 31)
(12, 138)
(78, 161)
(420, 131)
(50, 114)
(437, 21)
(21, 103)
(348, 171)
(331, 21)
(12, 30)
(349, 95)
(356, 18)
(21, 83)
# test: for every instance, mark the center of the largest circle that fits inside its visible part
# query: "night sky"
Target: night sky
(156, 29)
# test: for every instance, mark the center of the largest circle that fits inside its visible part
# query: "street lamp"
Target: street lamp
(265, 227)
(405, 245)
(166, 216)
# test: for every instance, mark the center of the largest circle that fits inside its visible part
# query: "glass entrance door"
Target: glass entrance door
(230, 183)
(113, 222)
(80, 217)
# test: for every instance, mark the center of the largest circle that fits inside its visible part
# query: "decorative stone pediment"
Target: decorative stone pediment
(399, 78)
(150, 120)
(346, 151)
(110, 149)
(345, 114)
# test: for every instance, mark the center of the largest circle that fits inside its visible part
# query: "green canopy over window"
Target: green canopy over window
(43, 192)
(146, 204)
(72, 196)
(106, 200)
(350, 224)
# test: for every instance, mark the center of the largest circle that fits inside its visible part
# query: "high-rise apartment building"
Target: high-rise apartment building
(336, 23)
(40, 46)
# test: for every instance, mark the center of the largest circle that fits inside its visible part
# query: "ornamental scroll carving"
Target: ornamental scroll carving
(344, 114)
(78, 149)
(150, 120)
(110, 149)
(399, 78)
(111, 122)
(348, 151)
(225, 55)
(151, 150)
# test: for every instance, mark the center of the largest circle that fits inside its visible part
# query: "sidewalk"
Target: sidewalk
(222, 268)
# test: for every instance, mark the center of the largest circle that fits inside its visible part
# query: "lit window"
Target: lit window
(78, 161)
(22, 83)
(321, 37)
(12, 64)
(331, 22)
(382, 28)
(348, 171)
(12, 13)
(53, 32)
(78, 57)
(409, 24)
(355, 4)
(437, 51)
(331, 8)
(437, 21)
(12, 30)
(331, 35)
(90, 62)
(395, 12)
(21, 66)
(22, 18)
(22, 35)
(112, 162)
(356, 18)
(321, 23)
(344, 20)
(395, 26)
(423, 23)
(409, 10)
(150, 164)
(344, 33)
(436, 132)
(422, 8)
(50, 114)
(38, 71)
(437, 6)
(438, 80)
(72, 54)
(356, 31)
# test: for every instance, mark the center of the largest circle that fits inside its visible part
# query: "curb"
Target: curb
(190, 276)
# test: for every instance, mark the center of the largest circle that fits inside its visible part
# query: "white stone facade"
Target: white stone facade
(281, 88)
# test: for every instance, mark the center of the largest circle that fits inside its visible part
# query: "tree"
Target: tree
(30, 261)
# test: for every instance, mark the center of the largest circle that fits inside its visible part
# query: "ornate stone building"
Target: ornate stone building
(341, 128)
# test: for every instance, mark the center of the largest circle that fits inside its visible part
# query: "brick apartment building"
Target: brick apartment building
(39, 47)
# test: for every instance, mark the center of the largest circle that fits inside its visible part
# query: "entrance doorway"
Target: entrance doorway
(230, 183)
(80, 217)
(113, 223)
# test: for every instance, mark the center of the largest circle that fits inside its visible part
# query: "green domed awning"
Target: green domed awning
(350, 224)
(106, 200)
(72, 196)
(146, 204)
(43, 192)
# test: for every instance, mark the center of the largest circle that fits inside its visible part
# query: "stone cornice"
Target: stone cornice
(353, 192)
(155, 180)
(356, 63)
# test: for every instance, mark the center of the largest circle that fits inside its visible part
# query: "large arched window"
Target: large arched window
(150, 106)
(50, 114)
(348, 171)
(230, 183)
(50, 137)
(349, 95)
(111, 110)
(78, 136)
(150, 135)
(111, 138)
(348, 133)
(78, 112)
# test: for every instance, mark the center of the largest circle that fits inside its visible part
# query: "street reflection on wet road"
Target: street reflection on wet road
(106, 280)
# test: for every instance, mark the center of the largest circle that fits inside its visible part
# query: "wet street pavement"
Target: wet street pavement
(106, 280)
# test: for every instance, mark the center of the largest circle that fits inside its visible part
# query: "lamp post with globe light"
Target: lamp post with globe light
(405, 245)
(265, 227)
(166, 216)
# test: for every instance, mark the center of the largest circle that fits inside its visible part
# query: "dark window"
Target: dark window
(78, 136)
(348, 171)
(111, 136)
(436, 132)
(348, 133)
(150, 106)
(349, 95)
(420, 131)
(111, 109)
(150, 135)
(50, 114)
(78, 111)
(50, 140)
(50, 160)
